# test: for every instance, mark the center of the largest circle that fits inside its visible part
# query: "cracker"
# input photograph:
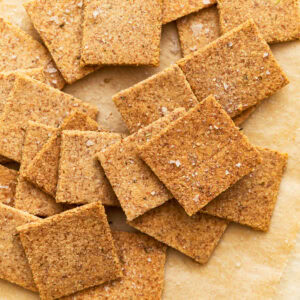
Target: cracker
(245, 115)
(196, 236)
(278, 21)
(198, 29)
(225, 68)
(251, 200)
(70, 251)
(13, 262)
(173, 9)
(18, 50)
(154, 97)
(35, 101)
(28, 197)
(81, 179)
(142, 259)
(200, 155)
(136, 186)
(59, 25)
(139, 23)
(43, 169)
(8, 182)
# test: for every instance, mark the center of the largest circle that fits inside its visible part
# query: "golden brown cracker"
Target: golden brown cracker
(35, 101)
(239, 69)
(81, 179)
(59, 25)
(277, 20)
(71, 251)
(139, 23)
(200, 155)
(8, 182)
(13, 262)
(154, 97)
(198, 29)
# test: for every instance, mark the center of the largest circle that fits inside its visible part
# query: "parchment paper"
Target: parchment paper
(247, 264)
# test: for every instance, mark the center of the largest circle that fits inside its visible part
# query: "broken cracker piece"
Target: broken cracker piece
(81, 179)
(191, 156)
(8, 182)
(252, 199)
(74, 250)
(35, 101)
(140, 24)
(13, 262)
(239, 69)
(196, 236)
(154, 98)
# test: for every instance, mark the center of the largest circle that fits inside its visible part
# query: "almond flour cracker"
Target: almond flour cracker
(8, 182)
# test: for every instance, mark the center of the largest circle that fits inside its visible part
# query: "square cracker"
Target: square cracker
(174, 9)
(35, 101)
(8, 182)
(59, 25)
(29, 198)
(42, 171)
(81, 179)
(136, 186)
(138, 21)
(239, 69)
(13, 262)
(154, 97)
(200, 155)
(277, 20)
(18, 50)
(71, 251)
(196, 236)
(251, 200)
(142, 260)
(198, 29)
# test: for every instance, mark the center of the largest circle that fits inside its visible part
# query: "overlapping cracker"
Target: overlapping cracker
(70, 251)
(245, 115)
(81, 179)
(8, 182)
(198, 29)
(136, 186)
(173, 9)
(18, 50)
(59, 25)
(277, 20)
(13, 262)
(251, 200)
(142, 259)
(200, 155)
(239, 69)
(29, 198)
(139, 22)
(154, 97)
(35, 101)
(43, 169)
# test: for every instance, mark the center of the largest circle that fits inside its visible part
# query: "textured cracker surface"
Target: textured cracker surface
(200, 155)
(70, 251)
(136, 186)
(143, 260)
(13, 262)
(251, 200)
(18, 50)
(29, 198)
(81, 178)
(154, 97)
(278, 20)
(35, 101)
(139, 23)
(174, 9)
(244, 115)
(198, 29)
(195, 236)
(239, 69)
(43, 169)
(59, 25)
(8, 182)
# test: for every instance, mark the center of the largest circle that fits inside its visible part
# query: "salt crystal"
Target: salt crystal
(89, 143)
(266, 54)
(153, 193)
(226, 86)
(206, 2)
(80, 4)
(176, 162)
(164, 110)
(227, 172)
(149, 259)
(229, 44)
(196, 198)
(4, 187)
(238, 165)
(268, 72)
(51, 70)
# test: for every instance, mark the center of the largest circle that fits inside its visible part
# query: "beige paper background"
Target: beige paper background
(246, 264)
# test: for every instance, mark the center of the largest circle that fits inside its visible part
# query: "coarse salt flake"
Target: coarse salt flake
(196, 198)
(149, 259)
(266, 54)
(89, 143)
(227, 172)
(153, 193)
(3, 187)
(226, 86)
(206, 2)
(176, 162)
(268, 72)
(238, 165)
(164, 110)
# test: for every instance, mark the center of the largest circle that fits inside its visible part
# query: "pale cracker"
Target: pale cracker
(8, 182)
